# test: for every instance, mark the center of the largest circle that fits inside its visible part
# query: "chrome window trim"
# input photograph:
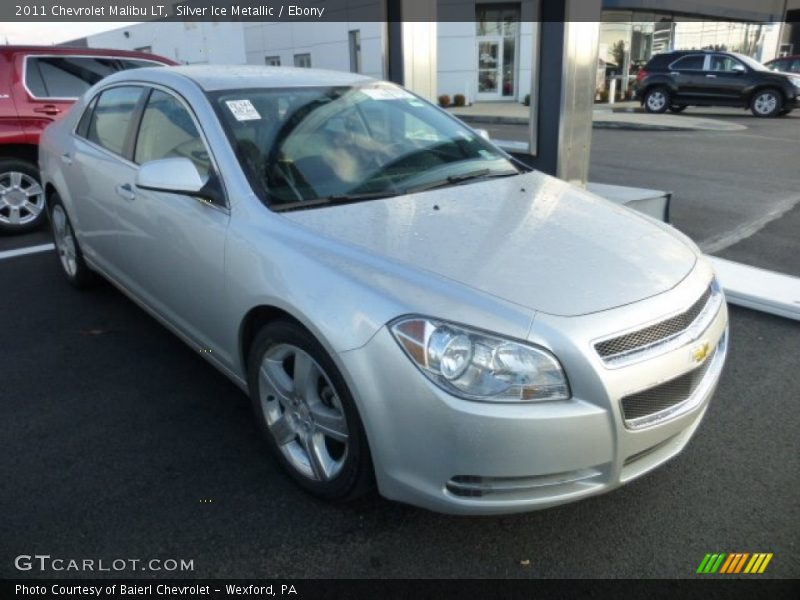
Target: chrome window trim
(70, 98)
(688, 335)
(695, 399)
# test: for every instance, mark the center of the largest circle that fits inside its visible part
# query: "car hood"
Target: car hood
(532, 240)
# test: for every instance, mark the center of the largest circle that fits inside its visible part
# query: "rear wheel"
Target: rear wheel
(21, 196)
(307, 413)
(677, 108)
(766, 103)
(656, 100)
(68, 251)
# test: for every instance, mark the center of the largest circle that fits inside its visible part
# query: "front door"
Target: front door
(173, 245)
(490, 68)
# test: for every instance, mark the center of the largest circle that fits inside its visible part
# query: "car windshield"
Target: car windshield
(304, 147)
(750, 62)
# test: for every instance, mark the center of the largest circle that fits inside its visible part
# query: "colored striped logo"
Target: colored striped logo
(736, 562)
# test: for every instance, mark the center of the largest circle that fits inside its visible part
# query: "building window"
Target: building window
(355, 51)
(273, 61)
(148, 49)
(302, 60)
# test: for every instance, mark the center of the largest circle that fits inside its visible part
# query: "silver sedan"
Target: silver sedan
(405, 304)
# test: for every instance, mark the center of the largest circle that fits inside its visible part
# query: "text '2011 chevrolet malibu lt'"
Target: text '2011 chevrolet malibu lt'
(405, 304)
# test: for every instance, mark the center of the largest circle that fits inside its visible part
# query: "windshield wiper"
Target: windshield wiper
(461, 178)
(332, 199)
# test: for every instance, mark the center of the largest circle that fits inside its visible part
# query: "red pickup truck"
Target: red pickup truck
(38, 84)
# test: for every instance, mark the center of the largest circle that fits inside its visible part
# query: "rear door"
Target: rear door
(96, 168)
(688, 77)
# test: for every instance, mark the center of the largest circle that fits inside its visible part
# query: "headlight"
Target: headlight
(795, 81)
(480, 366)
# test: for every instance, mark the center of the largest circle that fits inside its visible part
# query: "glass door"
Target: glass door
(490, 67)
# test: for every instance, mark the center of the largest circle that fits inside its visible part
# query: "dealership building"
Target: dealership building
(488, 59)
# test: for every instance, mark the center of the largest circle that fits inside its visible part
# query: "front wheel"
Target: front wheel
(656, 100)
(766, 103)
(307, 413)
(21, 197)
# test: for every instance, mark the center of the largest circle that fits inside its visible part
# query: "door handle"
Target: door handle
(126, 191)
(674, 73)
(66, 158)
(48, 109)
(711, 76)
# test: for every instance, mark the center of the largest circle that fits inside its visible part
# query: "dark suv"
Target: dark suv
(39, 84)
(675, 80)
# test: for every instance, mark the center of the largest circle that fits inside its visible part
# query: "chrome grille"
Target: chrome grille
(665, 395)
(653, 334)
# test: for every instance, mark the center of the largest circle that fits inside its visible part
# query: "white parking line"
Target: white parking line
(28, 250)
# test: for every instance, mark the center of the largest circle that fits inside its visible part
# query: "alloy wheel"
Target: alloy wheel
(21, 198)
(656, 100)
(303, 412)
(765, 103)
(65, 241)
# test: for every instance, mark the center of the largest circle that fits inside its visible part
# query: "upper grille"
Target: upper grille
(654, 333)
(665, 395)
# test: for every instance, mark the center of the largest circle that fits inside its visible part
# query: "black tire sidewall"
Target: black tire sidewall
(356, 476)
(22, 166)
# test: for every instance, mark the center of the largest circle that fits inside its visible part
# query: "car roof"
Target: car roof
(226, 77)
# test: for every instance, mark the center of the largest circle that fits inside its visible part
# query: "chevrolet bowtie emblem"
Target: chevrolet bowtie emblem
(700, 352)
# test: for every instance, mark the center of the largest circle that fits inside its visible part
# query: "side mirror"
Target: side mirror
(738, 69)
(483, 133)
(176, 176)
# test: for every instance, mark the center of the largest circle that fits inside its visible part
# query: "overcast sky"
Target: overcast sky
(50, 33)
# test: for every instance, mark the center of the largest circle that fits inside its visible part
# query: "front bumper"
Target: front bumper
(456, 456)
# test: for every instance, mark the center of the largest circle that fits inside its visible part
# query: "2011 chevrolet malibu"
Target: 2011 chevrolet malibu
(404, 303)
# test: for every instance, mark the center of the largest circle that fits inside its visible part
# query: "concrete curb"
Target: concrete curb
(601, 122)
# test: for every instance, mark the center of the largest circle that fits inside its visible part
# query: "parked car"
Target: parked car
(38, 84)
(675, 80)
(402, 301)
(785, 64)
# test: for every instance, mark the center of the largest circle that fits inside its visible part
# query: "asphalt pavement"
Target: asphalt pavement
(122, 442)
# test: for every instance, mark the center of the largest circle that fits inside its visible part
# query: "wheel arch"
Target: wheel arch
(26, 152)
(768, 85)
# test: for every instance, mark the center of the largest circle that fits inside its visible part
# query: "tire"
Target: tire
(656, 99)
(68, 251)
(766, 103)
(310, 423)
(22, 202)
(677, 108)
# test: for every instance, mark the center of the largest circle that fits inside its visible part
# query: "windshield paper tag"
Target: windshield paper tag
(243, 110)
(387, 93)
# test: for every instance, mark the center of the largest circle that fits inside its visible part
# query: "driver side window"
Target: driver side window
(167, 130)
(722, 63)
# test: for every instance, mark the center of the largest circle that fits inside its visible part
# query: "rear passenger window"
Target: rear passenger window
(83, 125)
(111, 117)
(689, 63)
(168, 131)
